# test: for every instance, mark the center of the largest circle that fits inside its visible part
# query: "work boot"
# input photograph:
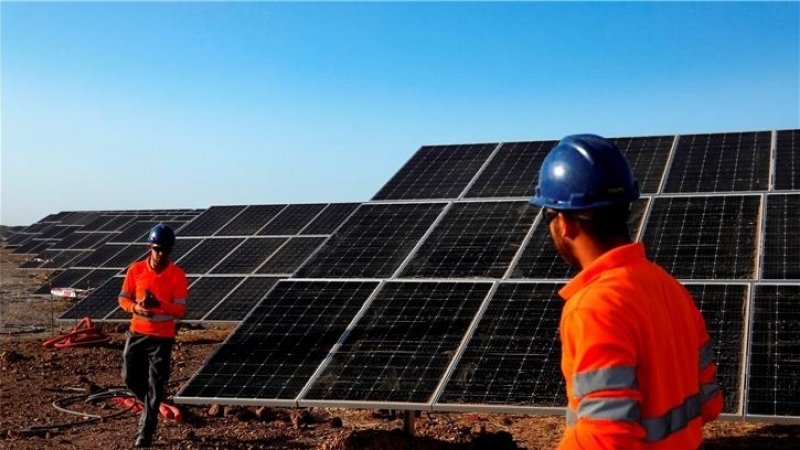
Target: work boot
(142, 441)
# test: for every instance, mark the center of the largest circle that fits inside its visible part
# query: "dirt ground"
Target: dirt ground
(63, 399)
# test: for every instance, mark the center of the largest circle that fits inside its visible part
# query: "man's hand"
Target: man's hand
(140, 309)
(150, 301)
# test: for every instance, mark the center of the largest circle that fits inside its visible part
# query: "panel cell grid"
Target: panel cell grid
(436, 172)
(209, 222)
(375, 241)
(98, 303)
(252, 219)
(206, 293)
(124, 258)
(248, 256)
(207, 254)
(291, 220)
(63, 259)
(136, 232)
(242, 300)
(99, 256)
(330, 218)
(289, 257)
(647, 157)
(787, 160)
(724, 162)
(704, 238)
(774, 385)
(513, 170)
(781, 259)
(63, 280)
(91, 241)
(514, 355)
(473, 240)
(274, 352)
(400, 348)
(723, 308)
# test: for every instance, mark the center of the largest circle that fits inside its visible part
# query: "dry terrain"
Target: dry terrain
(61, 399)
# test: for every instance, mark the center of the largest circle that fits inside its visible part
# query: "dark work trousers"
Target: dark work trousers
(145, 370)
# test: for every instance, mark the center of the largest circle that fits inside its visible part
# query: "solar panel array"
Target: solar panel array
(440, 292)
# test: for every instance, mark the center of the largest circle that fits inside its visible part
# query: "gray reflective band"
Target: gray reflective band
(585, 383)
(707, 391)
(609, 408)
(706, 355)
(179, 301)
(674, 420)
(126, 294)
(572, 418)
(158, 318)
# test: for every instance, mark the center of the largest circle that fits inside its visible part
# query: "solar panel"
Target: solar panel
(774, 368)
(704, 238)
(45, 256)
(401, 347)
(98, 303)
(63, 259)
(242, 300)
(436, 172)
(291, 255)
(99, 255)
(116, 223)
(31, 247)
(647, 157)
(291, 220)
(125, 257)
(781, 260)
(63, 280)
(252, 219)
(374, 243)
(513, 171)
(473, 240)
(330, 218)
(90, 241)
(205, 293)
(207, 254)
(249, 256)
(212, 220)
(279, 346)
(787, 160)
(723, 162)
(513, 356)
(69, 241)
(135, 232)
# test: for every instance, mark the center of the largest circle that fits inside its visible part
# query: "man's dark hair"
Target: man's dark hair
(606, 224)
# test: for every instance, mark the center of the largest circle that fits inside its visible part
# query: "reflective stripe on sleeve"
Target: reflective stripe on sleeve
(676, 419)
(156, 318)
(609, 408)
(126, 294)
(585, 383)
(572, 417)
(180, 301)
(706, 355)
(707, 391)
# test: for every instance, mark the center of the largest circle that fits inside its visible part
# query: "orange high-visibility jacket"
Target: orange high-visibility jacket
(170, 288)
(636, 357)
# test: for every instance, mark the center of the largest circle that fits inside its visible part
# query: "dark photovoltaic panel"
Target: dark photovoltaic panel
(98, 303)
(774, 371)
(330, 218)
(374, 242)
(249, 256)
(183, 246)
(136, 232)
(205, 293)
(276, 350)
(540, 260)
(722, 162)
(704, 238)
(124, 258)
(400, 348)
(207, 254)
(723, 308)
(68, 241)
(781, 259)
(291, 220)
(473, 240)
(58, 232)
(787, 160)
(91, 241)
(99, 255)
(32, 247)
(242, 300)
(436, 172)
(117, 223)
(63, 280)
(63, 259)
(41, 258)
(647, 157)
(289, 257)
(252, 219)
(513, 170)
(97, 222)
(209, 222)
(514, 355)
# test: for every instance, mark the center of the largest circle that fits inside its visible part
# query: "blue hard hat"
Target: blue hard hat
(585, 171)
(162, 235)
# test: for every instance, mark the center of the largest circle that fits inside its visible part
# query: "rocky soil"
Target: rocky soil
(63, 399)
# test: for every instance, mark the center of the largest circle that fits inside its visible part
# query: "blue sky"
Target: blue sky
(115, 106)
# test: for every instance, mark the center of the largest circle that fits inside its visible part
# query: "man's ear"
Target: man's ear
(569, 227)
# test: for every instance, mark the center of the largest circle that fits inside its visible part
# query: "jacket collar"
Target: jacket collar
(613, 258)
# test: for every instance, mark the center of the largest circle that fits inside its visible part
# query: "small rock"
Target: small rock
(336, 422)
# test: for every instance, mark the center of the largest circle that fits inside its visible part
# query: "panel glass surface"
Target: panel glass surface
(207, 254)
(647, 157)
(124, 258)
(242, 300)
(781, 259)
(704, 238)
(99, 255)
(513, 170)
(63, 280)
(249, 256)
(41, 258)
(514, 355)
(117, 223)
(436, 172)
(97, 304)
(274, 352)
(68, 241)
(724, 162)
(330, 218)
(774, 372)
(136, 232)
(402, 345)
(252, 219)
(374, 242)
(723, 308)
(289, 257)
(206, 293)
(91, 241)
(291, 220)
(787, 160)
(212, 220)
(64, 259)
(473, 240)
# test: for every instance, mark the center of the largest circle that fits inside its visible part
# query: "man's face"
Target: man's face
(563, 246)
(159, 254)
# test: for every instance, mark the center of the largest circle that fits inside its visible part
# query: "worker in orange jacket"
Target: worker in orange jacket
(637, 359)
(154, 293)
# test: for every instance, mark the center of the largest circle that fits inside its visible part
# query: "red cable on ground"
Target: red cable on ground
(84, 334)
